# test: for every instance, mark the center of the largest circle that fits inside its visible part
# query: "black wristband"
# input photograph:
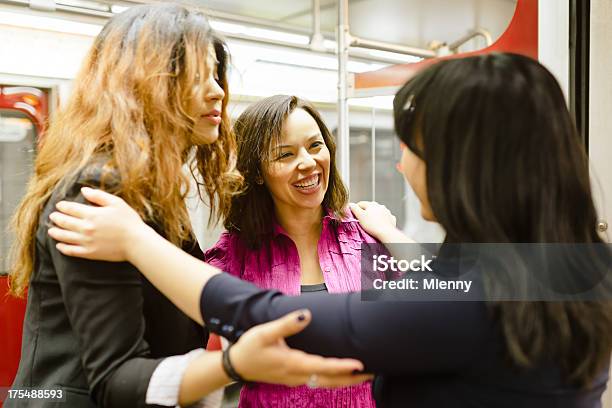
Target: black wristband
(229, 368)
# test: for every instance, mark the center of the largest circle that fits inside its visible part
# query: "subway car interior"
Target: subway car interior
(347, 57)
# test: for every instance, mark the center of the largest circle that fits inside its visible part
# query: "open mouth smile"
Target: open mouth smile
(309, 184)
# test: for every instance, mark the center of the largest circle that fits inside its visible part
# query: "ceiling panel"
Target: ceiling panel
(265, 9)
(408, 22)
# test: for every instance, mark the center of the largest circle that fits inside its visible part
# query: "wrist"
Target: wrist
(135, 236)
(225, 376)
(231, 364)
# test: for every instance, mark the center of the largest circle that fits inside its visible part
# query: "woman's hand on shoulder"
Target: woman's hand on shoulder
(374, 218)
(101, 232)
(261, 355)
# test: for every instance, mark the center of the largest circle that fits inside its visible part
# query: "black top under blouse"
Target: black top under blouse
(317, 287)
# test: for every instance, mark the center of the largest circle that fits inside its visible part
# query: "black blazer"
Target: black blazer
(426, 354)
(95, 329)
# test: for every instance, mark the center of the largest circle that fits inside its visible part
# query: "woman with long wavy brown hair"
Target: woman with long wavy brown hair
(150, 99)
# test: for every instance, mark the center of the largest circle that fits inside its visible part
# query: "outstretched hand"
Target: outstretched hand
(101, 232)
(262, 355)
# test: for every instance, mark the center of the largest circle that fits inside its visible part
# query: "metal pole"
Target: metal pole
(479, 32)
(317, 41)
(400, 49)
(343, 124)
(373, 153)
(316, 17)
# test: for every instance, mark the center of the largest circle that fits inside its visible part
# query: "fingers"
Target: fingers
(364, 204)
(77, 210)
(67, 237)
(68, 222)
(73, 250)
(331, 372)
(358, 212)
(308, 363)
(286, 326)
(326, 381)
(99, 197)
(373, 204)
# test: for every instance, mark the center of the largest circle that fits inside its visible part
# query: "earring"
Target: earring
(259, 180)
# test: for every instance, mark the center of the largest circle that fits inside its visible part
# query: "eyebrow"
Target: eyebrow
(215, 63)
(315, 136)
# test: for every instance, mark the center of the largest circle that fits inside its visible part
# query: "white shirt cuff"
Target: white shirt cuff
(166, 380)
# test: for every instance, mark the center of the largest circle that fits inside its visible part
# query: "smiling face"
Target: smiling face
(298, 174)
(206, 105)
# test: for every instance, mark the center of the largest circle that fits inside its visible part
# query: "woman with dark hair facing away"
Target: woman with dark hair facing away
(493, 155)
(290, 228)
(150, 95)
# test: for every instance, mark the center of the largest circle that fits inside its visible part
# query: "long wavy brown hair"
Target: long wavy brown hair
(129, 105)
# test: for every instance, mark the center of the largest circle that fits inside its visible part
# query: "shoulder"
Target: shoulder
(226, 251)
(97, 173)
(100, 173)
(348, 226)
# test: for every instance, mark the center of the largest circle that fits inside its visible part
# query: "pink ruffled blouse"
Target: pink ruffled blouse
(276, 265)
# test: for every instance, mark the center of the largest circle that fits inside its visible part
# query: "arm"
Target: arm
(114, 232)
(149, 251)
(222, 256)
(388, 337)
(384, 335)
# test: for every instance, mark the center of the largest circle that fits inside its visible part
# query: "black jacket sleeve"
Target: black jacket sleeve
(389, 337)
(104, 304)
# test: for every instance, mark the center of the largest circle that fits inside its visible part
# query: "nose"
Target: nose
(306, 161)
(215, 91)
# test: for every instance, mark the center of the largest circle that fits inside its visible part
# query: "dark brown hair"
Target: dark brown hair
(257, 130)
(505, 164)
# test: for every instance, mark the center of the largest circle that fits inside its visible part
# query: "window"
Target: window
(17, 151)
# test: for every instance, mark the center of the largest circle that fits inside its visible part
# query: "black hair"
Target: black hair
(504, 160)
(504, 163)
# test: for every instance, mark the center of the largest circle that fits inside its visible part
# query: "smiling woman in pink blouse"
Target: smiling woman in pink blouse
(290, 230)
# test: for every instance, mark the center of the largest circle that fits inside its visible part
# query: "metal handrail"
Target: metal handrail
(478, 32)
